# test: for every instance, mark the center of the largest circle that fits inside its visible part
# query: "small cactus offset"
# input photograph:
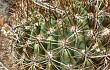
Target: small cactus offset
(61, 35)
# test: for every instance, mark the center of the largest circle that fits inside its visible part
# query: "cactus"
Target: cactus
(49, 40)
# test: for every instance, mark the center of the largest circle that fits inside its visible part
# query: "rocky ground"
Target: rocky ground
(5, 50)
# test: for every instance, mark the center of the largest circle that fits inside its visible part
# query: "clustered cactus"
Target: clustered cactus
(68, 35)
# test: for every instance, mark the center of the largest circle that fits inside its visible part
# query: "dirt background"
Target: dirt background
(6, 62)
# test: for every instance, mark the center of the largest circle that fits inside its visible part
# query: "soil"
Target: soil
(5, 50)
